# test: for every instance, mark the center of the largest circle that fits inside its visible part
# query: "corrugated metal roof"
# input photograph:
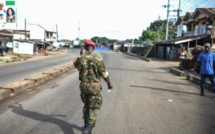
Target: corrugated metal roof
(23, 40)
(21, 30)
(6, 30)
(6, 35)
(38, 25)
(188, 16)
(50, 31)
(181, 40)
(206, 11)
(180, 19)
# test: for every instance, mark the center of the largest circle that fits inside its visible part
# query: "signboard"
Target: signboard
(8, 16)
(76, 42)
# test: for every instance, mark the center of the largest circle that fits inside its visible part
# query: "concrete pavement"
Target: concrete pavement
(9, 58)
(174, 68)
(19, 86)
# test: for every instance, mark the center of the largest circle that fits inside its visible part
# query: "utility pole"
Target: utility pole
(167, 21)
(25, 30)
(57, 32)
(179, 9)
(79, 32)
(16, 17)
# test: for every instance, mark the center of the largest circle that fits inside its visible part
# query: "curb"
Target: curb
(144, 58)
(4, 94)
(12, 59)
(19, 86)
(177, 72)
(53, 73)
(38, 79)
(141, 57)
(16, 59)
(190, 77)
(63, 69)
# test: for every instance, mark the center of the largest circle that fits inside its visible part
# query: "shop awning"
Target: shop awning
(181, 40)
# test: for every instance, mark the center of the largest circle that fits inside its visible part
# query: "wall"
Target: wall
(23, 48)
(180, 30)
(18, 36)
(36, 32)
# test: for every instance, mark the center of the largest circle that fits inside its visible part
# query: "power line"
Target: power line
(185, 4)
(191, 5)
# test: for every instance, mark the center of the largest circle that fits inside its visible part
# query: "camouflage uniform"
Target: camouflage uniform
(91, 69)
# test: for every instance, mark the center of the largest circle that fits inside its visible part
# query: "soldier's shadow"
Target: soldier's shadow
(67, 128)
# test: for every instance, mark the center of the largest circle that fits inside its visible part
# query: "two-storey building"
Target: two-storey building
(41, 36)
(194, 28)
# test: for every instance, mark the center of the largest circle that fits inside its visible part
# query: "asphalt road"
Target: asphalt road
(146, 99)
(20, 70)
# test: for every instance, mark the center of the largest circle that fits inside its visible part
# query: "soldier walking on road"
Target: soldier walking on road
(207, 59)
(91, 69)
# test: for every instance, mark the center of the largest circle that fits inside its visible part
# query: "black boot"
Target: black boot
(202, 94)
(88, 129)
(85, 124)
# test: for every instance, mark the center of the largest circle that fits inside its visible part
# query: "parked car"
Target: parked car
(66, 46)
(3, 50)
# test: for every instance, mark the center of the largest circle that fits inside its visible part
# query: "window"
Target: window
(189, 28)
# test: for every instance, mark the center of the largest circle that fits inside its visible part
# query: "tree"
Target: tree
(172, 30)
(157, 31)
(149, 35)
(95, 39)
(103, 40)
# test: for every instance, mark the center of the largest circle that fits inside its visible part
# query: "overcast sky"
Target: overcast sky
(115, 19)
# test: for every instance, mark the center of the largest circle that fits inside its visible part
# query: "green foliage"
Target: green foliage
(82, 41)
(157, 25)
(20, 56)
(157, 31)
(172, 30)
(113, 40)
(97, 39)
(149, 35)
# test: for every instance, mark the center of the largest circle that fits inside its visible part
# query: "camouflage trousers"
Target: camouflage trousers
(92, 99)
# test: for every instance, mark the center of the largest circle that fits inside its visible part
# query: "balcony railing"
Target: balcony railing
(190, 33)
(199, 31)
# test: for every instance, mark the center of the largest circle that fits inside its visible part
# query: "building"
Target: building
(194, 28)
(41, 36)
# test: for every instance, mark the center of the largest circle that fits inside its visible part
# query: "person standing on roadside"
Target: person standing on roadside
(206, 59)
(91, 69)
(182, 58)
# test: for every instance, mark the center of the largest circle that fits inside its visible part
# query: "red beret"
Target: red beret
(89, 42)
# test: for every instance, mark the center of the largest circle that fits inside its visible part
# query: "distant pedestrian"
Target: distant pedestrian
(182, 57)
(91, 69)
(206, 59)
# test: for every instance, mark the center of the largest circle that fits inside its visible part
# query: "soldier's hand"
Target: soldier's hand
(82, 47)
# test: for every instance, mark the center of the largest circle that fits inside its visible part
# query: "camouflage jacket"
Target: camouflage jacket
(91, 68)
